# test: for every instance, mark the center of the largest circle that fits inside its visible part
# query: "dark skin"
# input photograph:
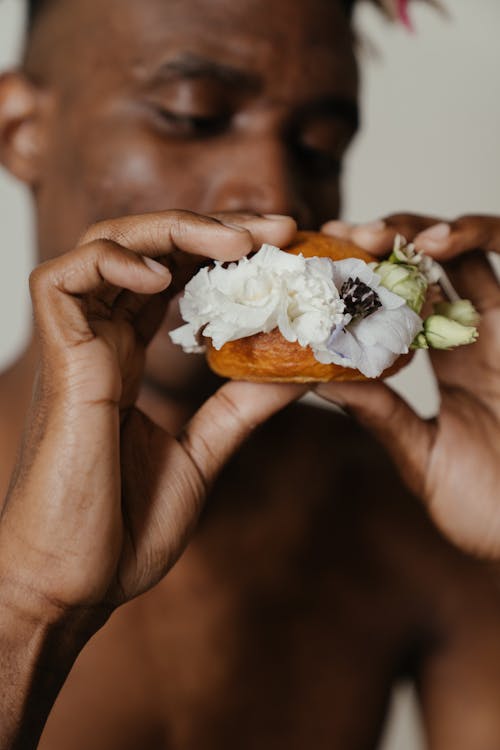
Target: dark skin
(305, 594)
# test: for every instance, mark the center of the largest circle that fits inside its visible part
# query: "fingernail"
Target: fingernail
(435, 233)
(158, 268)
(235, 227)
(337, 228)
(275, 217)
(373, 226)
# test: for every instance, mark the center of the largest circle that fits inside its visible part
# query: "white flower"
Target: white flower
(273, 289)
(372, 343)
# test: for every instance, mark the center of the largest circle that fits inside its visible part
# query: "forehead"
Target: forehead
(298, 46)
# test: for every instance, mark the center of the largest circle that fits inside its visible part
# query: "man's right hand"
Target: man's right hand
(102, 500)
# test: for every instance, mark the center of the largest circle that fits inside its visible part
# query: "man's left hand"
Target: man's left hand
(452, 462)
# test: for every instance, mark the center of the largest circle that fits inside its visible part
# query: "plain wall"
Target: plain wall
(431, 111)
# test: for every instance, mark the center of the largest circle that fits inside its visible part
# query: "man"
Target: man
(314, 580)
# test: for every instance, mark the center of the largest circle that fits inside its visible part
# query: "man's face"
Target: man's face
(206, 105)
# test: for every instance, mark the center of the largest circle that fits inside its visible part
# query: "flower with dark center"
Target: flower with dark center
(360, 300)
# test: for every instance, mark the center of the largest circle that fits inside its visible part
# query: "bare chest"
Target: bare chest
(261, 636)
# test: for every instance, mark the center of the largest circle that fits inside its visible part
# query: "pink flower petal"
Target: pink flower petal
(403, 14)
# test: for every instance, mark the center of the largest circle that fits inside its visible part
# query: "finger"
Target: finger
(377, 237)
(176, 477)
(377, 407)
(184, 237)
(161, 233)
(273, 229)
(57, 287)
(338, 228)
(473, 278)
(228, 417)
(446, 240)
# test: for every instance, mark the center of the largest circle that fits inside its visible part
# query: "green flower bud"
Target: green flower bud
(404, 280)
(463, 311)
(445, 333)
(403, 251)
(420, 342)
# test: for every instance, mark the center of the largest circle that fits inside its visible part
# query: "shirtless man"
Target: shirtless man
(314, 579)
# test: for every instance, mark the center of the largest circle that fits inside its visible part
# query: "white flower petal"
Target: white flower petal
(374, 360)
(352, 268)
(389, 300)
(343, 349)
(185, 336)
(281, 263)
(395, 329)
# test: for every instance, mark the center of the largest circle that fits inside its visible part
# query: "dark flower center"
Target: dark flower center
(359, 299)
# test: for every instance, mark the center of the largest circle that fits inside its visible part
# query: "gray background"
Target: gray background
(431, 106)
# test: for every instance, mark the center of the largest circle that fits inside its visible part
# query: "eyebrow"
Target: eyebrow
(189, 66)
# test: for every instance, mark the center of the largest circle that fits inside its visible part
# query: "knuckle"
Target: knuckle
(113, 232)
(230, 411)
(469, 218)
(474, 230)
(402, 218)
(467, 221)
(102, 251)
(463, 222)
(180, 222)
(88, 235)
(39, 279)
(175, 222)
(179, 219)
(181, 214)
(34, 281)
(235, 217)
(99, 230)
(202, 454)
(103, 248)
(181, 225)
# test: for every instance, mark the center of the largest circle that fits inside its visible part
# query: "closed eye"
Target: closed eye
(183, 125)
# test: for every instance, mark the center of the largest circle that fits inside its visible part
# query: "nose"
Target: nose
(257, 176)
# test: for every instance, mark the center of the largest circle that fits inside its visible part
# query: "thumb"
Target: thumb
(406, 437)
(227, 419)
(165, 480)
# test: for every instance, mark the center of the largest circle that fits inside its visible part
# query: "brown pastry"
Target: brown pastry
(269, 357)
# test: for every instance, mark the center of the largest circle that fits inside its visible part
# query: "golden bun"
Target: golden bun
(269, 357)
